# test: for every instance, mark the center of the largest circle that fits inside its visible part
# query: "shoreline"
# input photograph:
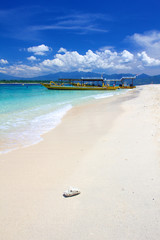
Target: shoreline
(20, 83)
(83, 104)
(110, 150)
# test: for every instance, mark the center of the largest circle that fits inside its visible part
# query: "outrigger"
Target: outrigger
(88, 84)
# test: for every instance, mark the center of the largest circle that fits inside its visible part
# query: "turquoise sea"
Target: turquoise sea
(28, 111)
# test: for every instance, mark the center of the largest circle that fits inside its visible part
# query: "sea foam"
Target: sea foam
(25, 132)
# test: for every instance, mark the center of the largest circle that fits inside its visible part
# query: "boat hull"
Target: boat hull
(127, 87)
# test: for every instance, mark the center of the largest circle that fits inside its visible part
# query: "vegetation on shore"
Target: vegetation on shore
(22, 81)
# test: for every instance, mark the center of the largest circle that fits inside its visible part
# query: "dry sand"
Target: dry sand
(110, 150)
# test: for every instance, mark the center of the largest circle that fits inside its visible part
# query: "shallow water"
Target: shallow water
(28, 111)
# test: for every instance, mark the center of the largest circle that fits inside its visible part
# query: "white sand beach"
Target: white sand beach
(109, 149)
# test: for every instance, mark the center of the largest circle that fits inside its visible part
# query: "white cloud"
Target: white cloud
(80, 23)
(23, 70)
(39, 50)
(148, 61)
(106, 60)
(72, 61)
(102, 60)
(126, 56)
(62, 50)
(51, 63)
(2, 70)
(3, 61)
(106, 48)
(148, 41)
(122, 67)
(32, 58)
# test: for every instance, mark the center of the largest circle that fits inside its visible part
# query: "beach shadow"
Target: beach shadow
(70, 196)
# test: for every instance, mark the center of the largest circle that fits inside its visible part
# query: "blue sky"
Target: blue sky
(43, 37)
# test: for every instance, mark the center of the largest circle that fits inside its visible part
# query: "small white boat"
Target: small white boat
(71, 192)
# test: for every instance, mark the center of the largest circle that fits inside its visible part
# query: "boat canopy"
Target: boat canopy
(81, 79)
(97, 81)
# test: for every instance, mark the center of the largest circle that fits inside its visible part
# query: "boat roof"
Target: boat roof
(81, 79)
(112, 80)
(96, 79)
(128, 78)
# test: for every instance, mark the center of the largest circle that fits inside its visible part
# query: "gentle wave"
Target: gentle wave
(99, 96)
(27, 113)
(105, 95)
(26, 132)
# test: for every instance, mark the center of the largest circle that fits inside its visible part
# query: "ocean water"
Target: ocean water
(29, 111)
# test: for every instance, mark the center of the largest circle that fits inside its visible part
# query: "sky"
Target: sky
(45, 37)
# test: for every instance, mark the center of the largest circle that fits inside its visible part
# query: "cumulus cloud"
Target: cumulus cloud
(148, 41)
(148, 61)
(151, 38)
(23, 70)
(32, 58)
(39, 50)
(126, 56)
(62, 50)
(3, 61)
(102, 60)
(64, 60)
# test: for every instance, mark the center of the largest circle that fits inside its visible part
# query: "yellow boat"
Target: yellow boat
(88, 84)
(79, 84)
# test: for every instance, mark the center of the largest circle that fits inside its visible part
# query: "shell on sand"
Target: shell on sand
(71, 192)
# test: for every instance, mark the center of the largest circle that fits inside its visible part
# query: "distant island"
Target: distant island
(20, 82)
(141, 79)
